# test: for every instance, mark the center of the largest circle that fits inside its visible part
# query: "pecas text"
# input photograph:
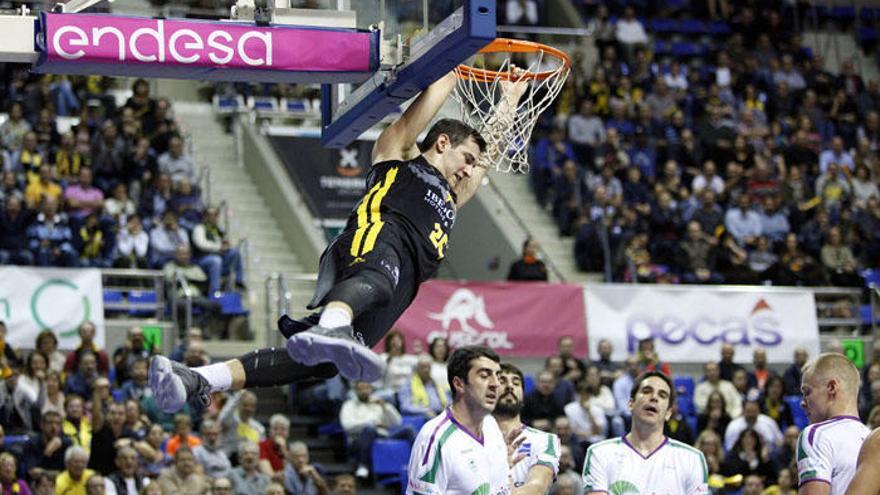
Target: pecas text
(761, 330)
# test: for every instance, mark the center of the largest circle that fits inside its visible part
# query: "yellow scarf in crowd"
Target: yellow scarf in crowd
(420, 393)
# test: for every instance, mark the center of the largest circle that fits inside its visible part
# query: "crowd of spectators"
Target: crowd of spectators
(750, 164)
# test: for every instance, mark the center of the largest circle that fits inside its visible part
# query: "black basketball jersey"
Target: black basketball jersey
(409, 200)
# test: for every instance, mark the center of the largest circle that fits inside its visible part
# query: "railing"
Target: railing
(138, 277)
(187, 298)
(838, 309)
(281, 301)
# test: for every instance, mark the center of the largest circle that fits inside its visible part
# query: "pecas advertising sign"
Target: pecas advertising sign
(333, 180)
(690, 324)
(518, 319)
(33, 299)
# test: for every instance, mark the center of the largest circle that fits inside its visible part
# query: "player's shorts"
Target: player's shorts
(387, 256)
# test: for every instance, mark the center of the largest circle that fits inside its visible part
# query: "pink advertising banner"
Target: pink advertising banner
(519, 319)
(168, 48)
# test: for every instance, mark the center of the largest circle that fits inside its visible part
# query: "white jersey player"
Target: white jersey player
(644, 460)
(828, 448)
(462, 451)
(535, 472)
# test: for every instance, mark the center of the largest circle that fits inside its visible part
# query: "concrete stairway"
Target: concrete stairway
(249, 217)
(539, 224)
(836, 46)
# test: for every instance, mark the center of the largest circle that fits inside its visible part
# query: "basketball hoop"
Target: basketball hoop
(478, 92)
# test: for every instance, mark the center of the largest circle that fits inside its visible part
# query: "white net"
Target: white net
(479, 92)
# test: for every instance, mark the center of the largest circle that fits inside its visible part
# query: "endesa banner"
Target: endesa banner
(689, 324)
(524, 319)
(229, 51)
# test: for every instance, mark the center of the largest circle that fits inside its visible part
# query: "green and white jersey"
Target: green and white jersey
(448, 459)
(674, 468)
(828, 452)
(541, 449)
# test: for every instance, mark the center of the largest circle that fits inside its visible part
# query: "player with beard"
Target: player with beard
(457, 452)
(534, 474)
(644, 459)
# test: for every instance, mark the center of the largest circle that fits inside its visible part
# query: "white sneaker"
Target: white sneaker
(362, 472)
(352, 358)
(173, 384)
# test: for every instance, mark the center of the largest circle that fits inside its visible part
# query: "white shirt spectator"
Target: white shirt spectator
(764, 426)
(715, 183)
(521, 12)
(355, 415)
(732, 399)
(586, 130)
(582, 423)
(630, 32)
(842, 159)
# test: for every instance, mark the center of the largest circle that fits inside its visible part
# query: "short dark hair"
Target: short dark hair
(457, 131)
(460, 362)
(648, 374)
(509, 368)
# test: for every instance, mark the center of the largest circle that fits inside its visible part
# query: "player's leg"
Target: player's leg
(174, 384)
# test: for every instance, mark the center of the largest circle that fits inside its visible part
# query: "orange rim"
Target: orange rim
(506, 45)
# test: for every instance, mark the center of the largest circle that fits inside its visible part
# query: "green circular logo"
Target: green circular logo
(57, 282)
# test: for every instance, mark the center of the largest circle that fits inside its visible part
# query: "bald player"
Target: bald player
(828, 447)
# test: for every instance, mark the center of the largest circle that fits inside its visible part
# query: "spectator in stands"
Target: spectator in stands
(864, 188)
(125, 480)
(166, 239)
(44, 453)
(176, 164)
(83, 198)
(529, 267)
(273, 449)
(86, 332)
(13, 130)
(214, 252)
(714, 382)
(159, 126)
(247, 478)
(726, 365)
(521, 12)
(697, 256)
(786, 455)
(608, 369)
(774, 223)
(183, 435)
(28, 159)
(52, 398)
(82, 381)
(239, 424)
(9, 185)
(187, 204)
(439, 351)
(839, 261)
(155, 199)
(14, 222)
(183, 478)
(90, 240)
(301, 476)
(753, 419)
(134, 349)
(568, 441)
(344, 484)
(544, 402)
(50, 237)
(76, 426)
(193, 334)
(789, 74)
(630, 34)
(573, 368)
(742, 222)
(140, 101)
(152, 465)
(623, 386)
(34, 375)
(72, 480)
(837, 155)
(677, 427)
(19, 408)
(873, 400)
(364, 418)
(586, 132)
(772, 403)
(42, 187)
(132, 245)
(422, 395)
(108, 429)
(792, 376)
(400, 365)
(9, 480)
(760, 372)
(570, 191)
(210, 455)
(141, 166)
(587, 417)
(748, 455)
(108, 156)
(649, 360)
(69, 158)
(709, 443)
(550, 154)
(119, 206)
(715, 416)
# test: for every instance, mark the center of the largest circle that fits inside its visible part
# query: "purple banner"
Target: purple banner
(79, 43)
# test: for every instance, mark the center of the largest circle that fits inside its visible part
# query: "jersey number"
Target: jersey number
(440, 240)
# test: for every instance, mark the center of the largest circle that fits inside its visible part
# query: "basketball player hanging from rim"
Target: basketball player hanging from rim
(393, 241)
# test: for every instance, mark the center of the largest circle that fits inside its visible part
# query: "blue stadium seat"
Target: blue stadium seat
(865, 313)
(528, 383)
(692, 26)
(797, 412)
(145, 297)
(684, 386)
(390, 459)
(663, 25)
(414, 420)
(867, 35)
(686, 405)
(118, 395)
(230, 303)
(867, 14)
(872, 277)
(330, 429)
(843, 13)
(113, 297)
(662, 48)
(686, 49)
(10, 440)
(719, 28)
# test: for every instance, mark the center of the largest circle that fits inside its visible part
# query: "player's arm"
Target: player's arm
(814, 466)
(595, 479)
(398, 141)
(505, 114)
(867, 478)
(537, 483)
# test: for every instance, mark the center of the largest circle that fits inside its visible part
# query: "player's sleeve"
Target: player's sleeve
(813, 457)
(699, 479)
(426, 470)
(594, 475)
(548, 453)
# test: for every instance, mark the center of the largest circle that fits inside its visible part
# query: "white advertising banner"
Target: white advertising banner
(689, 323)
(33, 299)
